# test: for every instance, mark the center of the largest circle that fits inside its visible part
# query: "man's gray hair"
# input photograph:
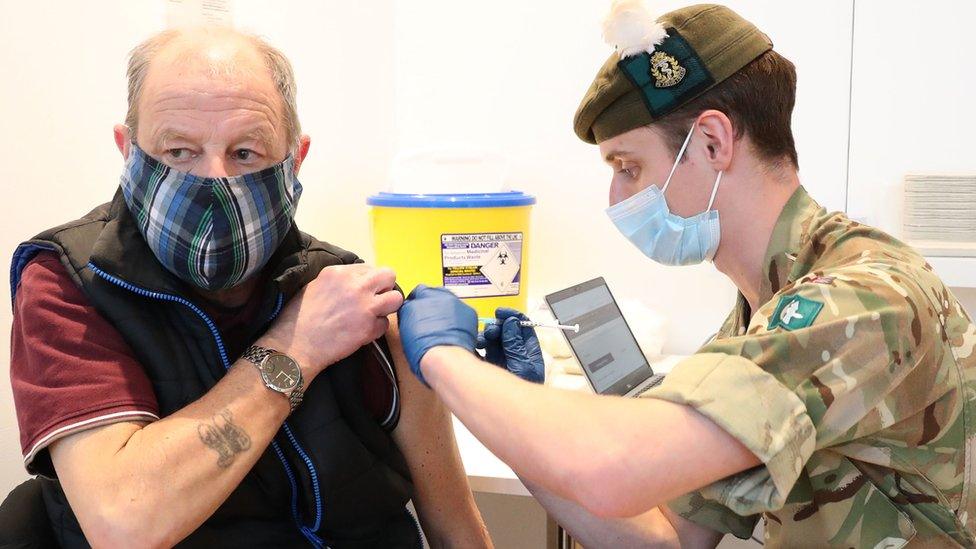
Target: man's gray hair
(280, 69)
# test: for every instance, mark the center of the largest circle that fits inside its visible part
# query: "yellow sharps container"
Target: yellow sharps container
(475, 245)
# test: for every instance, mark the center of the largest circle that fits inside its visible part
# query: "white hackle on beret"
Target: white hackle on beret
(631, 28)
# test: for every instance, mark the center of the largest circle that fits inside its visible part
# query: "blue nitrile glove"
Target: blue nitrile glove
(491, 341)
(431, 317)
(514, 347)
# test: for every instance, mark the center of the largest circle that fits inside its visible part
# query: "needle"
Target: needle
(529, 323)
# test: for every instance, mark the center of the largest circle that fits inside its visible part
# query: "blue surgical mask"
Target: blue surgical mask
(646, 220)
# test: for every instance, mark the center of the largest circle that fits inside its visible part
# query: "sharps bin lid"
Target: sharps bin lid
(472, 200)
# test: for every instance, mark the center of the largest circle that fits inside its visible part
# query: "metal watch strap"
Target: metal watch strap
(256, 355)
(297, 394)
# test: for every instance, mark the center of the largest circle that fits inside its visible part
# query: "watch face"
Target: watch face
(280, 372)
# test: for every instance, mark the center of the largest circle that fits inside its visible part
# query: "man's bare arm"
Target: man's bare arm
(425, 435)
(691, 534)
(133, 484)
(649, 529)
(617, 457)
(658, 527)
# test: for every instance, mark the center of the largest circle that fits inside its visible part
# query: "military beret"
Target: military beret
(661, 65)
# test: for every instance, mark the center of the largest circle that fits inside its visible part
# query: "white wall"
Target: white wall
(913, 110)
(63, 66)
(913, 98)
(64, 89)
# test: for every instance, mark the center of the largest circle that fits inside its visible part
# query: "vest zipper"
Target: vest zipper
(309, 533)
(416, 524)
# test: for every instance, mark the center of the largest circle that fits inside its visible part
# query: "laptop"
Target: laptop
(605, 347)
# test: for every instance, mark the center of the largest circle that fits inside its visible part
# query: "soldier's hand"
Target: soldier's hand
(512, 346)
(433, 317)
(344, 308)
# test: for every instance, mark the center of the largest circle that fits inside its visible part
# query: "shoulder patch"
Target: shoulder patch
(794, 312)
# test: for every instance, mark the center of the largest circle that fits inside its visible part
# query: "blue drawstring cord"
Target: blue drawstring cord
(309, 533)
(313, 474)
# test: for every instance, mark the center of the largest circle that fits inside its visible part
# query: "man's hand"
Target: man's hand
(432, 317)
(512, 346)
(105, 471)
(344, 308)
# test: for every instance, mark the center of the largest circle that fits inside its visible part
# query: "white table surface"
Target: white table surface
(487, 473)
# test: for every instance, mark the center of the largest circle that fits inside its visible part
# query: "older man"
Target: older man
(188, 366)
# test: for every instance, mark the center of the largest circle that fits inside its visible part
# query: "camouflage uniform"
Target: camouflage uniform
(854, 385)
(854, 381)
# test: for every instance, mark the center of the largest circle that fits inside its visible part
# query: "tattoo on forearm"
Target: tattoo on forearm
(223, 437)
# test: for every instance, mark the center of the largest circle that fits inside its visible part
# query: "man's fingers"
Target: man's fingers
(380, 327)
(387, 303)
(381, 280)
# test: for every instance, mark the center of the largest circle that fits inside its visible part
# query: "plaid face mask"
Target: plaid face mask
(212, 232)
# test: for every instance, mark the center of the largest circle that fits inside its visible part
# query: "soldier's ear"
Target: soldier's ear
(719, 142)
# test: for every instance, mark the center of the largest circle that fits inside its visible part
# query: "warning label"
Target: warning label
(482, 264)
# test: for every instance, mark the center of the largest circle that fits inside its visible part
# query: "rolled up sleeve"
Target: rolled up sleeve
(856, 359)
(714, 516)
(758, 411)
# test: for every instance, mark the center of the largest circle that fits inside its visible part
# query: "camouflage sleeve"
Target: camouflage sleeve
(829, 360)
(755, 408)
(713, 515)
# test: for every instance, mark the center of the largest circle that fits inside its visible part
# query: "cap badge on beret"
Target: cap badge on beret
(666, 70)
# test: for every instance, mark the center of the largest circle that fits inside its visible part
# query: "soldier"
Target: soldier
(836, 401)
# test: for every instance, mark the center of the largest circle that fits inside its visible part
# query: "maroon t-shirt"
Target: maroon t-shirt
(71, 370)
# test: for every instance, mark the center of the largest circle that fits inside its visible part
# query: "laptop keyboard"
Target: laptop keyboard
(656, 380)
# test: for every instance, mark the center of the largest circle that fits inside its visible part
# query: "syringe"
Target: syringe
(532, 324)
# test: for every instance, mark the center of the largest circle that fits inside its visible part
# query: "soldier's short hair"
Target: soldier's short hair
(758, 99)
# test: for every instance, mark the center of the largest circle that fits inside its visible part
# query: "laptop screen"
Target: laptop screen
(604, 345)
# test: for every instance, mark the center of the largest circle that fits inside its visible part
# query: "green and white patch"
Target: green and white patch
(794, 312)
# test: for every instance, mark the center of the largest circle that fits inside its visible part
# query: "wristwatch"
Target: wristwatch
(279, 371)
